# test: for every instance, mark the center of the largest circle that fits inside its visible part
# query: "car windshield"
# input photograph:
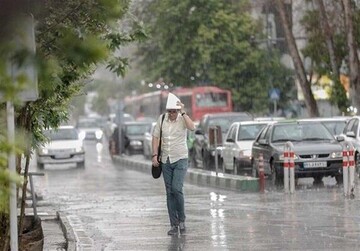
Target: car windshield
(88, 124)
(335, 127)
(61, 134)
(300, 132)
(249, 132)
(137, 129)
(225, 122)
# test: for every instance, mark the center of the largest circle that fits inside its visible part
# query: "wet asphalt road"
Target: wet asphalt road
(114, 208)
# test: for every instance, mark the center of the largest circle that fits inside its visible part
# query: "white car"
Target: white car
(64, 146)
(236, 150)
(90, 128)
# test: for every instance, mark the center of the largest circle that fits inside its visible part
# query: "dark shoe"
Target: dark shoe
(182, 227)
(173, 230)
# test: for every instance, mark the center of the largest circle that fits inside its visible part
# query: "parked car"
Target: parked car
(147, 142)
(132, 134)
(318, 153)
(91, 128)
(203, 152)
(351, 133)
(64, 146)
(236, 150)
(335, 125)
(110, 125)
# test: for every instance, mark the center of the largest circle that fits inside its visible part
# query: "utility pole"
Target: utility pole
(24, 39)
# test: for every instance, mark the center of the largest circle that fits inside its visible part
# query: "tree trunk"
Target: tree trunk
(354, 65)
(327, 31)
(310, 102)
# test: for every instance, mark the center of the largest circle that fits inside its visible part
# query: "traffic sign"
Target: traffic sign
(274, 94)
(24, 39)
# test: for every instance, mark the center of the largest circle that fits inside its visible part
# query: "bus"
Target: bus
(197, 100)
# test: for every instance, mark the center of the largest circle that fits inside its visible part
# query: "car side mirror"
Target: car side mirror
(263, 142)
(340, 138)
(350, 134)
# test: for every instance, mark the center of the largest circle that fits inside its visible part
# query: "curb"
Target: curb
(67, 231)
(199, 176)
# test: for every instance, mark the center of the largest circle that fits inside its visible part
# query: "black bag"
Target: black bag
(157, 170)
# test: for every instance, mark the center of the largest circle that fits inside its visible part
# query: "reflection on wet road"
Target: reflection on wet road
(115, 208)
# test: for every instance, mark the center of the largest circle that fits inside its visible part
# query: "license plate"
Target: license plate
(315, 164)
(62, 156)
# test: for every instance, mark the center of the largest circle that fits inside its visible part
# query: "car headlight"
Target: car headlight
(43, 151)
(98, 134)
(135, 143)
(336, 155)
(79, 149)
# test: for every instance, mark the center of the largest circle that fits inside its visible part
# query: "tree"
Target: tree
(72, 37)
(354, 63)
(211, 42)
(299, 66)
(327, 45)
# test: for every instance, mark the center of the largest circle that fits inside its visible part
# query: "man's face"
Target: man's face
(172, 113)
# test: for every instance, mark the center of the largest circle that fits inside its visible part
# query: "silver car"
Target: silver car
(317, 152)
(64, 146)
(236, 150)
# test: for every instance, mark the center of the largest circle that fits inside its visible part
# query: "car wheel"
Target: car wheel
(81, 164)
(236, 171)
(318, 179)
(339, 179)
(206, 161)
(128, 152)
(40, 165)
(254, 171)
(276, 178)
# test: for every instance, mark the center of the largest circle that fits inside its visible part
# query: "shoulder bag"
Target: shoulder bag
(157, 170)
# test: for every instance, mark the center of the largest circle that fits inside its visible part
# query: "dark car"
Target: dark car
(203, 153)
(317, 152)
(133, 135)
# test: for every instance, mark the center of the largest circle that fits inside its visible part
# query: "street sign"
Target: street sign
(274, 94)
(24, 39)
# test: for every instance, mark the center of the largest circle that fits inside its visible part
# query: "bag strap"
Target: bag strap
(159, 147)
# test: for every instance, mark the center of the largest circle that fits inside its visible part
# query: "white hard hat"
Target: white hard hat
(171, 102)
